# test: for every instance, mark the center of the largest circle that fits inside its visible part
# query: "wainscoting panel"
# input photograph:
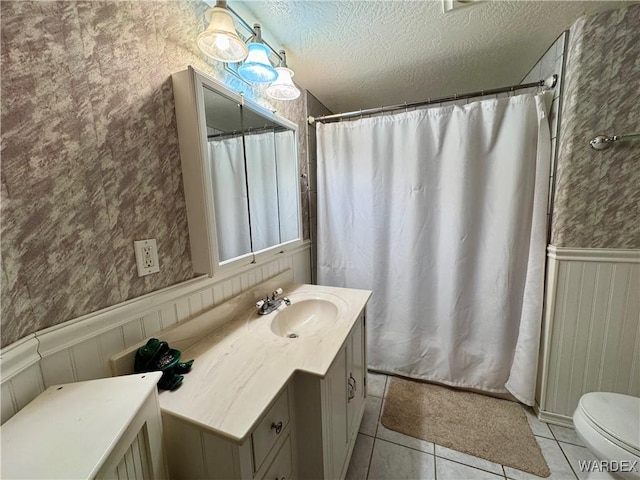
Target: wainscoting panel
(80, 349)
(135, 464)
(26, 386)
(21, 376)
(591, 338)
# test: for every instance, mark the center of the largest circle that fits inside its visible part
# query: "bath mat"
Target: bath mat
(486, 427)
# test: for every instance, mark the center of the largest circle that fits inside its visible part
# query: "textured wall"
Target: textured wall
(597, 201)
(90, 158)
(315, 108)
(552, 62)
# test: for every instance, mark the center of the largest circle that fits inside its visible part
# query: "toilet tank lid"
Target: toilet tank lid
(616, 414)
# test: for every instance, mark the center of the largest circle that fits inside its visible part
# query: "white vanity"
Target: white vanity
(260, 404)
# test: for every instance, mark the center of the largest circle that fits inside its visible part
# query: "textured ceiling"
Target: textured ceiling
(360, 54)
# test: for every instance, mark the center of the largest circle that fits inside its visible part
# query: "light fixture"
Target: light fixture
(257, 68)
(251, 61)
(220, 40)
(283, 88)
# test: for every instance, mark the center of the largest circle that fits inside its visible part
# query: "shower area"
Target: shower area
(442, 210)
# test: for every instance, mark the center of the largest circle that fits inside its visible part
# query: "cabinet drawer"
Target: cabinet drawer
(270, 428)
(281, 467)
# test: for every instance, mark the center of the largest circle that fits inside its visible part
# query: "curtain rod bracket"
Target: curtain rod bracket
(551, 81)
(603, 142)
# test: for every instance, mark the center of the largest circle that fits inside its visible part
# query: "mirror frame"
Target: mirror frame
(188, 92)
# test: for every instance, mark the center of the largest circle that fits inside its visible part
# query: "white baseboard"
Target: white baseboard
(553, 418)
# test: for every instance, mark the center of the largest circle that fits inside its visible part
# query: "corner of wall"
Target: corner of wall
(597, 202)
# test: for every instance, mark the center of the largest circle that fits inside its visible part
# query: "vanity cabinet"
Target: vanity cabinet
(335, 428)
(267, 453)
(356, 376)
(308, 432)
(258, 404)
(329, 410)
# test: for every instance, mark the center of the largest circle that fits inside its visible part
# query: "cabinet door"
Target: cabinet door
(356, 372)
(335, 422)
(282, 465)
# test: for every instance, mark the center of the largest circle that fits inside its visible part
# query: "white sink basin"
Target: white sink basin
(305, 317)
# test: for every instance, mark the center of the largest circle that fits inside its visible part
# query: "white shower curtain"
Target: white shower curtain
(442, 213)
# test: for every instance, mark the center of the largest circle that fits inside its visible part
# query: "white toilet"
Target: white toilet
(609, 426)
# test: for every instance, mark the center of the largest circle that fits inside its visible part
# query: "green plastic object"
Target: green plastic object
(158, 356)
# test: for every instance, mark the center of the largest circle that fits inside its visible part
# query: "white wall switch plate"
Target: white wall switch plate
(146, 256)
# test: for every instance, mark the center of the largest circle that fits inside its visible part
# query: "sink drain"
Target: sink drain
(292, 335)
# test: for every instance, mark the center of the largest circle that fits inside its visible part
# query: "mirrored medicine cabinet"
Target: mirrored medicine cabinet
(240, 174)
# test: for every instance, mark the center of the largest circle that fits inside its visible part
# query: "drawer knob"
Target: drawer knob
(277, 427)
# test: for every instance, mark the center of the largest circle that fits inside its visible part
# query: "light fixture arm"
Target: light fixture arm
(248, 27)
(283, 88)
(257, 34)
(283, 59)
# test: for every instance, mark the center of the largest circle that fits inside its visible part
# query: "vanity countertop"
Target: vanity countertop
(240, 368)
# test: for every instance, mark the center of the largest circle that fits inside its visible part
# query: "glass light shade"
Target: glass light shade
(257, 68)
(283, 88)
(220, 40)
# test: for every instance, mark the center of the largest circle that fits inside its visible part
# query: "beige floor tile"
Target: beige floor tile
(558, 464)
(577, 454)
(538, 427)
(391, 461)
(405, 440)
(372, 409)
(469, 460)
(566, 435)
(376, 383)
(448, 470)
(359, 465)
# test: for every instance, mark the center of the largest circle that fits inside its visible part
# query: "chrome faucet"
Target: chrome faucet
(271, 302)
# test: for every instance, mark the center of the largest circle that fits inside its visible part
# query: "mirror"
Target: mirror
(262, 179)
(240, 171)
(225, 152)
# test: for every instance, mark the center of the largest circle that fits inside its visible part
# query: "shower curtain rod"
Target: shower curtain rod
(548, 83)
(249, 131)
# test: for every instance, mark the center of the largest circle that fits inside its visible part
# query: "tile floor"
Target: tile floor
(383, 454)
